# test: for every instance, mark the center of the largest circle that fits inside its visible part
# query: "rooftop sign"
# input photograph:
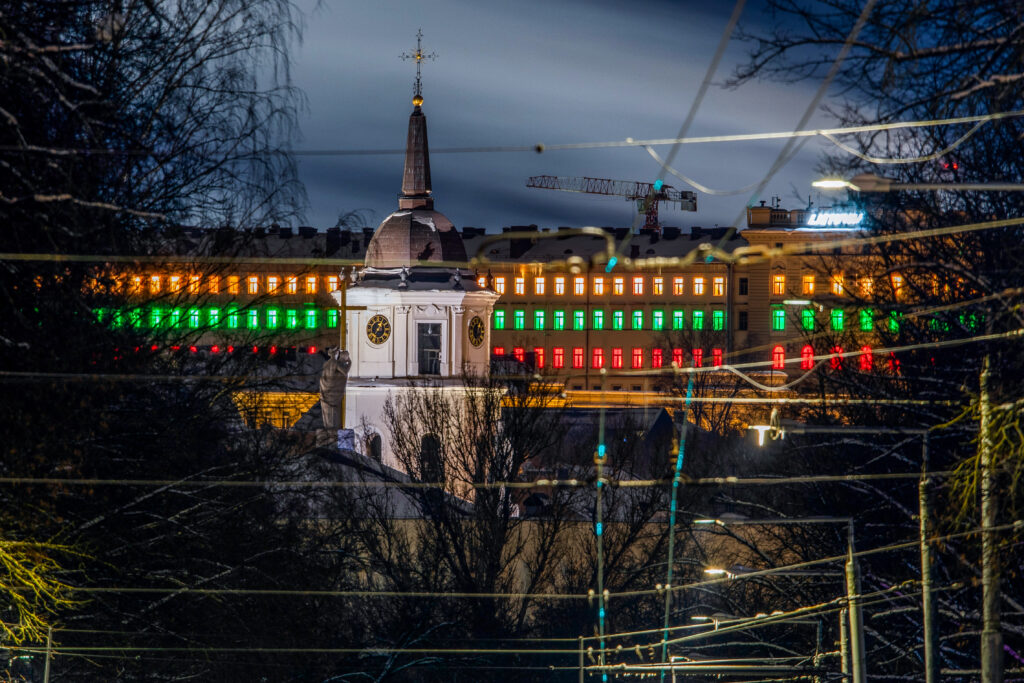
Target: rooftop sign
(828, 219)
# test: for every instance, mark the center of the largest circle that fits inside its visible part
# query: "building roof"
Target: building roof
(410, 237)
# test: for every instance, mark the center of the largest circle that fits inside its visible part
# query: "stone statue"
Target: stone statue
(333, 379)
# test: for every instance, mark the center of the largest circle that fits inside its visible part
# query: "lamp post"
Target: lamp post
(869, 182)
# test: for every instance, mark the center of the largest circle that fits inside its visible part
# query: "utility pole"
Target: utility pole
(844, 643)
(931, 665)
(856, 615)
(991, 635)
(49, 645)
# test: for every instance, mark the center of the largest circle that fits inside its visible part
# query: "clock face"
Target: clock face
(476, 331)
(378, 329)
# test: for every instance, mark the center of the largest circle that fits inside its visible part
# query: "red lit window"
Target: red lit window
(894, 364)
(807, 357)
(577, 357)
(638, 358)
(836, 361)
(213, 349)
(716, 357)
(499, 350)
(597, 361)
(656, 361)
(677, 357)
(865, 358)
(538, 357)
(616, 358)
(698, 358)
(312, 350)
(519, 353)
(778, 358)
(558, 357)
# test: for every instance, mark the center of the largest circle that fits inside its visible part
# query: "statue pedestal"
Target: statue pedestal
(346, 440)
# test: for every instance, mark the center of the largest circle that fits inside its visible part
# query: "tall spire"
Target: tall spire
(416, 177)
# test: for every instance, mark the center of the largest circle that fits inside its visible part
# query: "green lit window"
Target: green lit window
(657, 320)
(193, 317)
(894, 321)
(837, 319)
(213, 316)
(579, 320)
(499, 320)
(332, 318)
(618, 317)
(99, 314)
(115, 318)
(233, 318)
(252, 320)
(598, 320)
(310, 318)
(558, 321)
(271, 318)
(538, 320)
(697, 320)
(678, 320)
(519, 320)
(135, 317)
(155, 317)
(807, 319)
(867, 320)
(638, 320)
(292, 318)
(778, 319)
(175, 317)
(718, 320)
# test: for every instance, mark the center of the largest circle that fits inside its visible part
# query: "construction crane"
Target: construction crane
(638, 192)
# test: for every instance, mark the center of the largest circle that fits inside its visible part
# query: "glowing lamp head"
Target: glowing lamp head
(417, 101)
(658, 184)
(831, 183)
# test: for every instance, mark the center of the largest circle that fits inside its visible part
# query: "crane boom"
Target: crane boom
(642, 193)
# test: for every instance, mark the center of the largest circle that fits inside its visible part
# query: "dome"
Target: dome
(412, 236)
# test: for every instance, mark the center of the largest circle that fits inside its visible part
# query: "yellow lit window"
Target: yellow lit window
(677, 286)
(698, 286)
(520, 285)
(538, 285)
(579, 286)
(154, 284)
(291, 285)
(233, 284)
(718, 286)
(867, 286)
(253, 285)
(897, 284)
(559, 285)
(658, 286)
(311, 284)
(499, 285)
(837, 284)
(482, 281)
(332, 283)
(136, 283)
(272, 282)
(638, 285)
(619, 286)
(175, 283)
(213, 282)
(808, 284)
(778, 284)
(193, 284)
(598, 285)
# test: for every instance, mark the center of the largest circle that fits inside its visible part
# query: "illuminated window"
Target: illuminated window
(638, 358)
(897, 285)
(538, 357)
(558, 357)
(137, 284)
(559, 287)
(271, 318)
(619, 286)
(499, 351)
(867, 286)
(332, 318)
(538, 285)
(232, 318)
(332, 283)
(519, 353)
(658, 286)
(520, 285)
(499, 320)
(718, 320)
(716, 357)
(213, 317)
(718, 286)
(194, 282)
(175, 317)
(616, 358)
(598, 320)
(638, 320)
(677, 286)
(213, 282)
(579, 286)
(155, 317)
(519, 319)
(697, 320)
(291, 284)
(807, 357)
(597, 359)
(499, 285)
(866, 358)
(577, 357)
(808, 284)
(678, 320)
(252, 319)
(778, 358)
(778, 319)
(778, 284)
(894, 321)
(677, 357)
(253, 285)
(657, 320)
(310, 318)
(579, 320)
(538, 320)
(558, 320)
(618, 318)
(272, 283)
(698, 358)
(598, 285)
(311, 284)
(837, 319)
(175, 283)
(867, 320)
(837, 284)
(807, 319)
(698, 286)
(638, 285)
(836, 361)
(656, 358)
(482, 281)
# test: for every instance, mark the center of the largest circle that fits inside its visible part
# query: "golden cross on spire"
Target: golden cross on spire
(419, 56)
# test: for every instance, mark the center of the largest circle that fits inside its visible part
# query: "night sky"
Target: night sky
(518, 73)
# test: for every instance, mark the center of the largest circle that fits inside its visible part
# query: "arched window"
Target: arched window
(865, 358)
(807, 357)
(836, 361)
(778, 358)
(374, 447)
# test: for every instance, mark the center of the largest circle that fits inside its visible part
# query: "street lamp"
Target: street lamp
(869, 182)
